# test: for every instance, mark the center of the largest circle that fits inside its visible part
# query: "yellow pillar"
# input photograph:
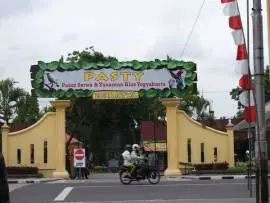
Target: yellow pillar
(60, 133)
(229, 128)
(172, 138)
(5, 131)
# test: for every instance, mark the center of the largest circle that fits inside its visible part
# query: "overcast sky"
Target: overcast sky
(32, 30)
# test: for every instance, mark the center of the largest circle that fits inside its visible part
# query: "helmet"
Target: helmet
(127, 147)
(135, 147)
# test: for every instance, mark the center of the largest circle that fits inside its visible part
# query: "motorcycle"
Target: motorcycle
(148, 172)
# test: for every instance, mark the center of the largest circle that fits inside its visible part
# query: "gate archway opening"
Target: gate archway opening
(169, 80)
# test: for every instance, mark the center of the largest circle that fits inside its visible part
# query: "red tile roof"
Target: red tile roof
(148, 133)
(74, 140)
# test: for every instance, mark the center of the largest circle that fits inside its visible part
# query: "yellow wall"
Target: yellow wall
(190, 129)
(50, 128)
(181, 127)
(36, 134)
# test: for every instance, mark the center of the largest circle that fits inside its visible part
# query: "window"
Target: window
(189, 150)
(202, 152)
(215, 154)
(45, 157)
(32, 154)
(19, 159)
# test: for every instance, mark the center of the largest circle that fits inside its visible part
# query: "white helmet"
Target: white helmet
(135, 147)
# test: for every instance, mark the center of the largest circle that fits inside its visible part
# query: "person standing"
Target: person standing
(4, 189)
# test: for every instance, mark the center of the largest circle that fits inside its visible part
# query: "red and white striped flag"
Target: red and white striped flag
(231, 9)
(249, 114)
(226, 1)
(245, 82)
(241, 67)
(238, 37)
(235, 22)
(243, 98)
(241, 52)
(246, 98)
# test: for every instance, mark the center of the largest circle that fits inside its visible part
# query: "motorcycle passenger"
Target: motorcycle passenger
(136, 158)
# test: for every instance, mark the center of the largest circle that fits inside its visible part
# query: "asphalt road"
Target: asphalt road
(200, 191)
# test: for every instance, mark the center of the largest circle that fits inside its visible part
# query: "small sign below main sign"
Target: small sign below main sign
(79, 158)
(115, 95)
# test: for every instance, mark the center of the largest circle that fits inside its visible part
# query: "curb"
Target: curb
(31, 181)
(227, 177)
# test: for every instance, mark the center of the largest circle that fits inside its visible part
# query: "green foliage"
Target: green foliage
(239, 114)
(236, 170)
(88, 55)
(235, 96)
(90, 120)
(195, 105)
(28, 111)
(46, 109)
(267, 84)
(11, 98)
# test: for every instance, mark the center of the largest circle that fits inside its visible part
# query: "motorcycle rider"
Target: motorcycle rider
(127, 156)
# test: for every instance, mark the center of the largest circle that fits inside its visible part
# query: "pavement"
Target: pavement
(31, 180)
(209, 177)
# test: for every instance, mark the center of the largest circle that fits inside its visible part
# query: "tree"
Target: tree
(235, 96)
(239, 114)
(28, 110)
(88, 55)
(88, 119)
(11, 98)
(46, 109)
(195, 106)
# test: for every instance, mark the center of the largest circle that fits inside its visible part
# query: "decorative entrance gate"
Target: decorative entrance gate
(169, 80)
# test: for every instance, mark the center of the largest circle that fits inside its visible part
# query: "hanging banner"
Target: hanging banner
(167, 78)
(231, 9)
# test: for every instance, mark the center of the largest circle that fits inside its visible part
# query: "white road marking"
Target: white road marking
(62, 196)
(13, 187)
(107, 181)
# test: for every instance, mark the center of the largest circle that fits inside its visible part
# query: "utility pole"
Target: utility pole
(249, 126)
(260, 141)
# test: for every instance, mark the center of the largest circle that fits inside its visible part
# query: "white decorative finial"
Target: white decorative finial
(229, 123)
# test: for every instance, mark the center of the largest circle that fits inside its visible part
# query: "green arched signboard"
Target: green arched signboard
(114, 80)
